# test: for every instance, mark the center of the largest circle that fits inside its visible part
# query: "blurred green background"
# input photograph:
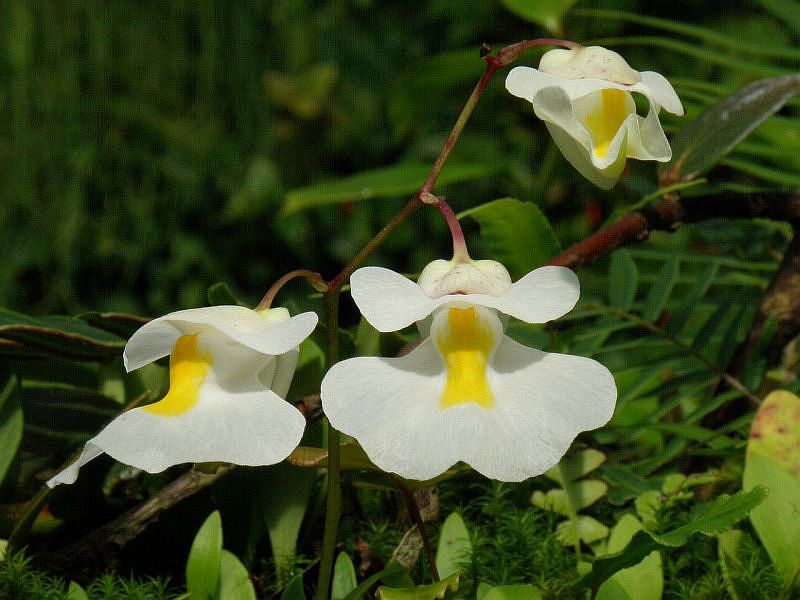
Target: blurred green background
(147, 147)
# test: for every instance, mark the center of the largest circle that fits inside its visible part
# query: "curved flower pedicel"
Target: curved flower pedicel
(584, 97)
(229, 369)
(467, 392)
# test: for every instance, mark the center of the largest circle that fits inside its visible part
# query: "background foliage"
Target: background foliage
(149, 150)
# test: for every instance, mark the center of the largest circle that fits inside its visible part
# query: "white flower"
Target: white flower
(584, 97)
(467, 392)
(229, 370)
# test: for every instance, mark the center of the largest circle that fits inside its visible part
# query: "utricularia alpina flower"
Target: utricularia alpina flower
(230, 368)
(467, 392)
(584, 97)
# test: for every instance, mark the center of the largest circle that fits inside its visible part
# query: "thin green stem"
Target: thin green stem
(334, 484)
(315, 279)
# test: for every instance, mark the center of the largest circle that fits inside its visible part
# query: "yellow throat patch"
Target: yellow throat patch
(188, 366)
(465, 344)
(604, 122)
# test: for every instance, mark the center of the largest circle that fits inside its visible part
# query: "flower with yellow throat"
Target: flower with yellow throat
(229, 369)
(467, 392)
(584, 97)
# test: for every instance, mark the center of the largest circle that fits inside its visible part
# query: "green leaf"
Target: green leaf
(368, 339)
(623, 280)
(513, 592)
(234, 580)
(294, 589)
(583, 528)
(662, 288)
(219, 294)
(432, 591)
(76, 592)
(576, 465)
(63, 336)
(585, 493)
(703, 142)
(351, 454)
(11, 424)
(643, 581)
(640, 546)
(714, 517)
(284, 499)
(454, 547)
(773, 461)
(387, 182)
(711, 518)
(392, 570)
(205, 560)
(517, 234)
(547, 13)
(786, 10)
(344, 577)
(120, 324)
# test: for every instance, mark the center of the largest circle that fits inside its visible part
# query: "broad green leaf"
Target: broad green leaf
(234, 580)
(205, 559)
(294, 589)
(517, 234)
(711, 518)
(786, 10)
(660, 291)
(513, 592)
(773, 461)
(547, 13)
(454, 547)
(387, 182)
(640, 546)
(714, 517)
(644, 581)
(623, 280)
(11, 424)
(63, 336)
(584, 493)
(391, 571)
(76, 592)
(219, 294)
(703, 142)
(576, 465)
(284, 499)
(432, 591)
(587, 529)
(344, 577)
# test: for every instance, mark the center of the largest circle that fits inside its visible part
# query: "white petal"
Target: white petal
(660, 91)
(251, 428)
(155, 339)
(388, 300)
(543, 401)
(646, 139)
(540, 296)
(580, 157)
(391, 406)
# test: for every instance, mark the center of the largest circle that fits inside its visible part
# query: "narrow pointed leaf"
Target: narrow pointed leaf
(623, 280)
(432, 591)
(660, 292)
(344, 577)
(11, 423)
(387, 182)
(294, 589)
(547, 13)
(703, 142)
(234, 580)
